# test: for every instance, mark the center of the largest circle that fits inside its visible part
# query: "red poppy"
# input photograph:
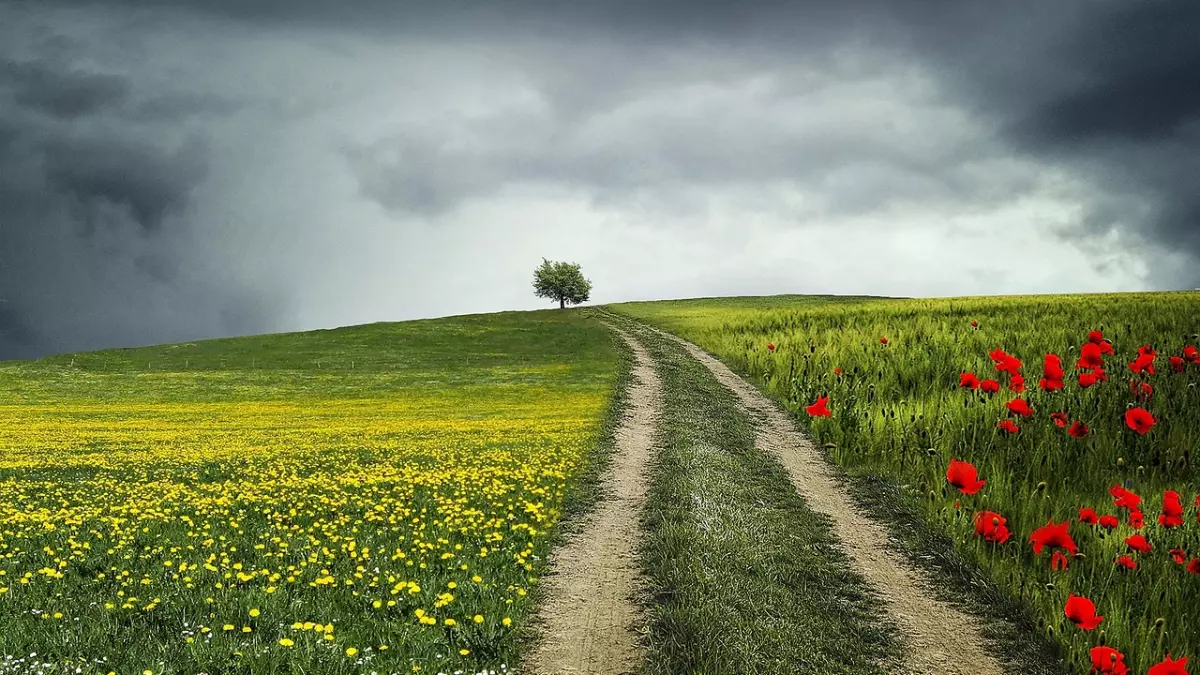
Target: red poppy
(1144, 363)
(1054, 536)
(1089, 356)
(1138, 543)
(1136, 520)
(1060, 419)
(1078, 429)
(1052, 367)
(1142, 391)
(1019, 406)
(1139, 419)
(968, 381)
(1050, 385)
(1194, 566)
(1124, 499)
(963, 476)
(1082, 612)
(1088, 516)
(1106, 347)
(1096, 337)
(1005, 363)
(1172, 510)
(1169, 666)
(1017, 384)
(1086, 380)
(1127, 562)
(1058, 562)
(1191, 354)
(1176, 363)
(974, 324)
(883, 341)
(1007, 426)
(1109, 522)
(1178, 555)
(1108, 661)
(771, 347)
(837, 371)
(989, 386)
(991, 527)
(818, 409)
(1100, 375)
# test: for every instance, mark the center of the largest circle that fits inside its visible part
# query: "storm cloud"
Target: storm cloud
(212, 168)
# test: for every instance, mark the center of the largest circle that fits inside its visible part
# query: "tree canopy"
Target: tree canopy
(561, 281)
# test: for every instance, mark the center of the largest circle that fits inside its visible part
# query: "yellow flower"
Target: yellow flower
(254, 612)
(464, 652)
(507, 621)
(286, 642)
(478, 618)
(227, 626)
(351, 651)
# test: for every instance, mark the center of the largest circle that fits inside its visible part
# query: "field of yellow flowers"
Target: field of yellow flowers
(368, 499)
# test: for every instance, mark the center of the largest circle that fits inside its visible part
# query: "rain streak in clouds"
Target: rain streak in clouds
(218, 168)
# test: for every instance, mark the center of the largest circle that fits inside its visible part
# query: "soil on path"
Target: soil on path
(942, 639)
(590, 620)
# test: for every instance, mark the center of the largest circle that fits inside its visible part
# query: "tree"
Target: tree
(561, 281)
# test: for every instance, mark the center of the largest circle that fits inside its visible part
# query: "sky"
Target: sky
(205, 168)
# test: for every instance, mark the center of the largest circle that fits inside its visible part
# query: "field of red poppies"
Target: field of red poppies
(1052, 437)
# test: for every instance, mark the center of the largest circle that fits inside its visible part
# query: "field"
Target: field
(375, 498)
(899, 378)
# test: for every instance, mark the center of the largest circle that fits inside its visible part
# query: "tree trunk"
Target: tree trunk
(562, 303)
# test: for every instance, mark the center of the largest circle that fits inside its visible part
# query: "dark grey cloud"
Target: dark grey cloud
(66, 94)
(194, 168)
(1139, 64)
(140, 179)
(93, 226)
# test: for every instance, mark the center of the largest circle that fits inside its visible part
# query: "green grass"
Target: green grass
(744, 577)
(899, 417)
(149, 497)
